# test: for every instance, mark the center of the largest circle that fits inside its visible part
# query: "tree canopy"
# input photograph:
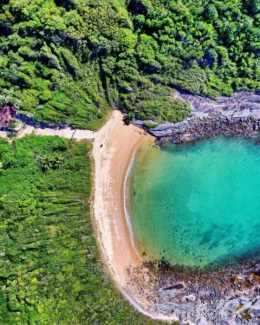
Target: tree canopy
(72, 60)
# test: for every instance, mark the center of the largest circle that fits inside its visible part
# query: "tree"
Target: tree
(51, 161)
(211, 12)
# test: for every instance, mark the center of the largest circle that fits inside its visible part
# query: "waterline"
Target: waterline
(126, 194)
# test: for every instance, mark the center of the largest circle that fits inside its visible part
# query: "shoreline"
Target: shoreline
(113, 151)
(238, 115)
(126, 204)
(111, 165)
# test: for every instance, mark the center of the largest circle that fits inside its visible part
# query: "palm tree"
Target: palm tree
(51, 162)
(58, 160)
(46, 162)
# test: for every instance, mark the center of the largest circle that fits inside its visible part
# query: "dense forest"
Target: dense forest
(50, 271)
(72, 60)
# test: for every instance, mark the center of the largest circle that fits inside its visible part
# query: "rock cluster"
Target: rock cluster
(238, 115)
(245, 124)
(228, 296)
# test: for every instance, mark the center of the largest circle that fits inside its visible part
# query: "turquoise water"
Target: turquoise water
(196, 204)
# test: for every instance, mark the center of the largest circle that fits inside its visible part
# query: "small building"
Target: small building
(7, 114)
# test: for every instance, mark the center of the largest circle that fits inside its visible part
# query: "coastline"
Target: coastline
(216, 296)
(113, 151)
(125, 201)
(170, 294)
(126, 193)
(113, 147)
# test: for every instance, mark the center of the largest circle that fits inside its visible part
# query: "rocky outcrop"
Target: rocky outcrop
(237, 115)
(222, 296)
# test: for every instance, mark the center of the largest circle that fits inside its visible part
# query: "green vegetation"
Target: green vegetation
(72, 60)
(50, 272)
(13, 124)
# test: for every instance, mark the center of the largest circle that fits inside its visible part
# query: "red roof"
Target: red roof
(7, 113)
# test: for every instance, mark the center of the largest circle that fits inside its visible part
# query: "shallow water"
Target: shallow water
(196, 204)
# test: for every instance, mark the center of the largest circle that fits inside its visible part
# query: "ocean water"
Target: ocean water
(196, 204)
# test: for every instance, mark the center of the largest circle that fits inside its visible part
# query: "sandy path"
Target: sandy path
(65, 133)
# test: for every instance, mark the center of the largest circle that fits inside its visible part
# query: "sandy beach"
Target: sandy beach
(112, 152)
